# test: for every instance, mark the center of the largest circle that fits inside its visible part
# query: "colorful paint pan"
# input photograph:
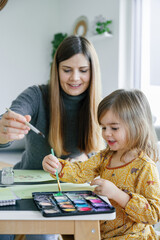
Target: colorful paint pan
(90, 197)
(96, 201)
(67, 206)
(82, 205)
(70, 203)
(58, 194)
(41, 198)
(99, 205)
(61, 200)
(85, 209)
(69, 209)
(44, 204)
(60, 197)
(61, 203)
(102, 209)
(51, 210)
(79, 201)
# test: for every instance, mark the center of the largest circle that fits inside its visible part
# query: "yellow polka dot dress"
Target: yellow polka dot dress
(139, 179)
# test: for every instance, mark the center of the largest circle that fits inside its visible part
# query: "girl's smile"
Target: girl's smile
(114, 131)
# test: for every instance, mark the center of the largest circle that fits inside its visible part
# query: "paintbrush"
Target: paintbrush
(58, 182)
(31, 126)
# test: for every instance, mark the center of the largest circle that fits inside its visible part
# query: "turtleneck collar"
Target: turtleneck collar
(73, 99)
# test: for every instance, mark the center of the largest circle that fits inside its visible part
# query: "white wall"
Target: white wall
(27, 29)
(107, 49)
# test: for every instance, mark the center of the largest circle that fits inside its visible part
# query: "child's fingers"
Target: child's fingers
(96, 182)
(53, 161)
(98, 190)
(50, 164)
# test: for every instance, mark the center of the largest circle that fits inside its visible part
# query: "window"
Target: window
(147, 73)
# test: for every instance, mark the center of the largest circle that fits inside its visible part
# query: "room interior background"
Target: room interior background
(27, 29)
(127, 58)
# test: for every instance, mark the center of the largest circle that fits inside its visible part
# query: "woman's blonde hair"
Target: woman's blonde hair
(89, 130)
(132, 107)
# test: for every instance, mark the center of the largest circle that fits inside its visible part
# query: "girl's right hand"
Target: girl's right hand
(13, 127)
(51, 164)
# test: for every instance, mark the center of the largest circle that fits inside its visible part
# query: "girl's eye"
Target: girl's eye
(114, 129)
(103, 128)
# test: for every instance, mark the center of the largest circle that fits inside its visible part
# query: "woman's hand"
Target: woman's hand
(109, 189)
(13, 127)
(51, 164)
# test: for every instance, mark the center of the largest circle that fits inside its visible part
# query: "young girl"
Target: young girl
(127, 169)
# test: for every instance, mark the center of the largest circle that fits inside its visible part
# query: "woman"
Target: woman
(65, 110)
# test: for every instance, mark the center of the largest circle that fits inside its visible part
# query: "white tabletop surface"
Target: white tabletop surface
(36, 215)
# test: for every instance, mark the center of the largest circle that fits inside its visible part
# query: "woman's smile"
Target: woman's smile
(74, 74)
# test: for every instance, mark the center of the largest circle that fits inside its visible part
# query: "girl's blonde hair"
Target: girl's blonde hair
(89, 131)
(132, 107)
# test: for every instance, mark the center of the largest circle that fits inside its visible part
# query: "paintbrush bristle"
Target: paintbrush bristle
(42, 134)
(59, 186)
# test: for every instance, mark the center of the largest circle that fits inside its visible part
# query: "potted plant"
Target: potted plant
(58, 38)
(102, 27)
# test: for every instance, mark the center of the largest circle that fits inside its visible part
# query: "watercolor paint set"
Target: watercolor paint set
(53, 204)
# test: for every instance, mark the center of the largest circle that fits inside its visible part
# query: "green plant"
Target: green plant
(58, 38)
(103, 27)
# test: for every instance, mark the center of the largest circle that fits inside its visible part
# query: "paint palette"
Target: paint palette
(53, 204)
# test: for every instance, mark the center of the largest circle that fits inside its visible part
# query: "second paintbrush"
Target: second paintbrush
(58, 182)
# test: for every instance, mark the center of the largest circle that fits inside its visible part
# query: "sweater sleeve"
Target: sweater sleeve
(80, 172)
(26, 103)
(144, 206)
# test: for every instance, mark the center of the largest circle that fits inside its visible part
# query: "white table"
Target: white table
(32, 222)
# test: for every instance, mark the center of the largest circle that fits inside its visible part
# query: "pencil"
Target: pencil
(31, 126)
(58, 182)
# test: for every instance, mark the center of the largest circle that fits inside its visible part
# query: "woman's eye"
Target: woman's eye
(103, 128)
(84, 71)
(66, 70)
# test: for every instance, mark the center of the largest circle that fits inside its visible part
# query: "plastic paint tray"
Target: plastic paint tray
(53, 204)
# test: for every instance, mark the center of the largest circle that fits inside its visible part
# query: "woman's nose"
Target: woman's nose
(75, 76)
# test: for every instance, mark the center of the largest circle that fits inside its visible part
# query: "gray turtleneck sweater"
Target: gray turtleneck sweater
(33, 101)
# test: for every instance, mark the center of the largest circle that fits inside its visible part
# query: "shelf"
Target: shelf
(100, 37)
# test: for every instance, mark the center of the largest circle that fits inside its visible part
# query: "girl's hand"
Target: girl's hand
(51, 164)
(109, 189)
(104, 188)
(13, 127)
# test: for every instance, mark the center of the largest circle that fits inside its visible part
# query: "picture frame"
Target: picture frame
(81, 26)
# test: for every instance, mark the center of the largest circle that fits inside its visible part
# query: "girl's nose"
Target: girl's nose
(108, 132)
